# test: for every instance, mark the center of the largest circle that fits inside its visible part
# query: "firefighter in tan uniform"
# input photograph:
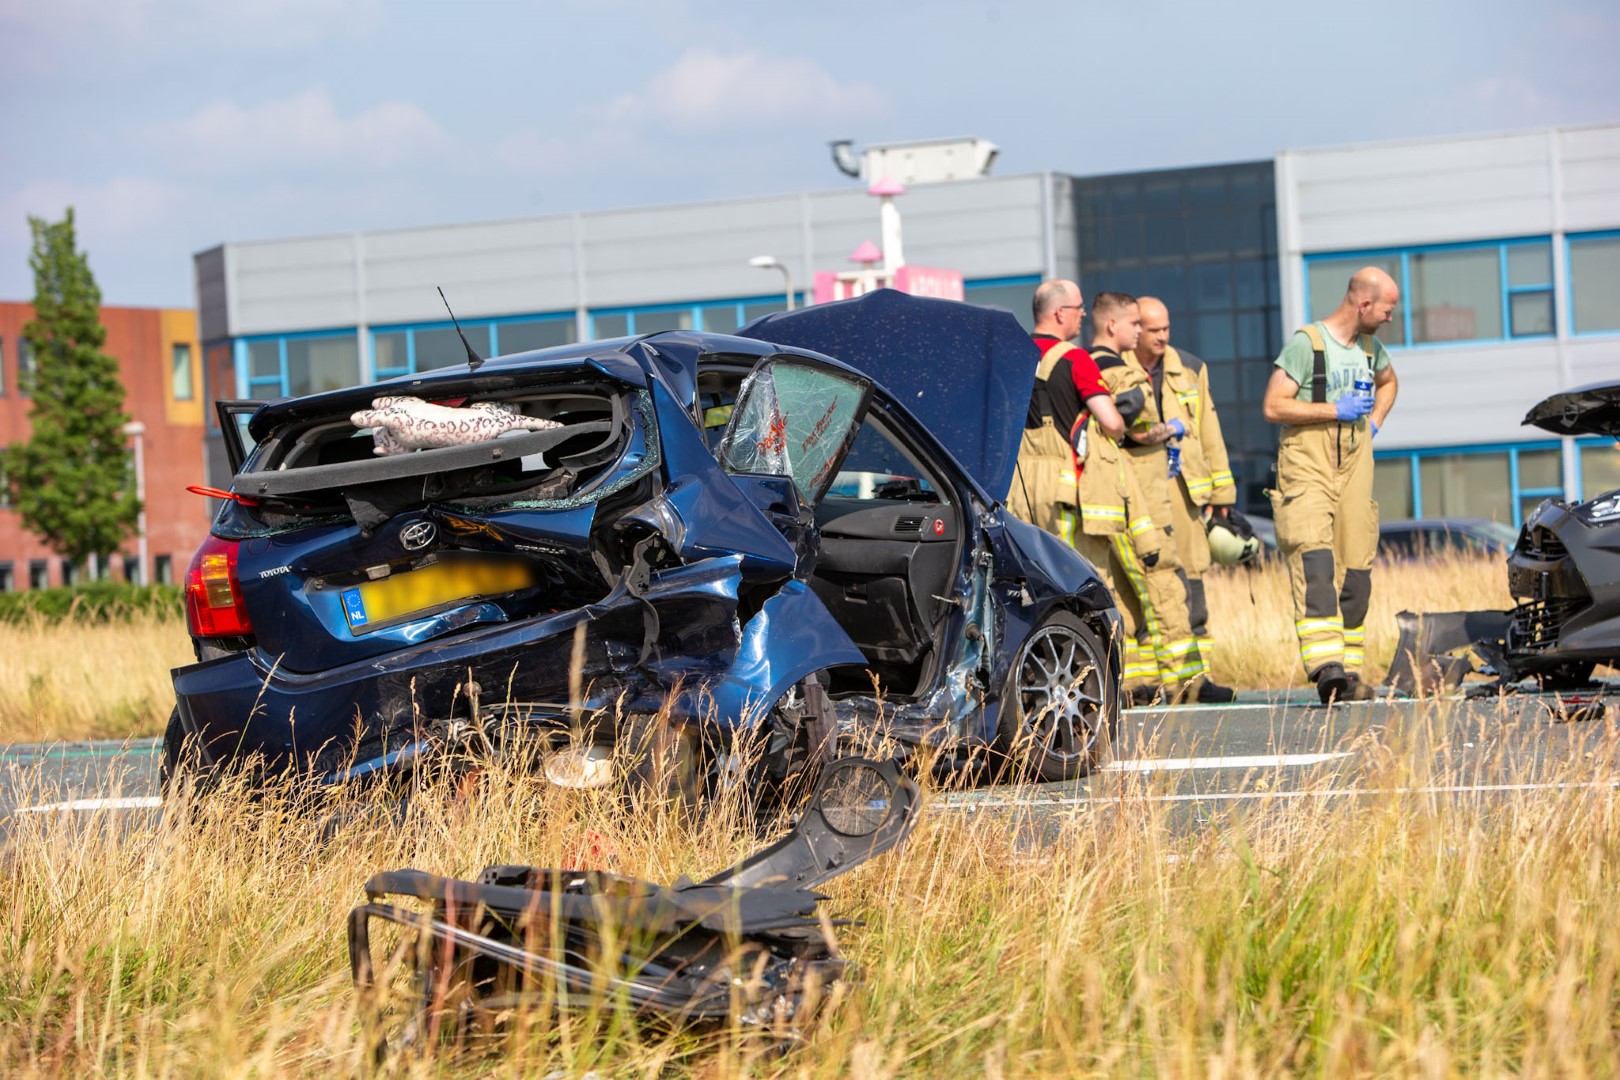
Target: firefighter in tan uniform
(1071, 478)
(1199, 476)
(1067, 389)
(1332, 389)
(1156, 599)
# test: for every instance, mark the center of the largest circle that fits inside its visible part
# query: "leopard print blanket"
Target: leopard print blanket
(402, 424)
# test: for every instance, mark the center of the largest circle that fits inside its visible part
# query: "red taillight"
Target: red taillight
(213, 597)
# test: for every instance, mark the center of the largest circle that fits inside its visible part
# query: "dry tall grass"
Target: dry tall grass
(70, 679)
(1251, 612)
(1401, 935)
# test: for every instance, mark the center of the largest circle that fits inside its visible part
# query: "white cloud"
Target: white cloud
(145, 24)
(703, 92)
(124, 214)
(706, 90)
(1499, 102)
(121, 207)
(302, 131)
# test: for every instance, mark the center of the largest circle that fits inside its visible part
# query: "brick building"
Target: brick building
(160, 362)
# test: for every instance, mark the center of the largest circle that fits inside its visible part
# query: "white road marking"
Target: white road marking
(1185, 764)
(141, 802)
(966, 803)
(1269, 706)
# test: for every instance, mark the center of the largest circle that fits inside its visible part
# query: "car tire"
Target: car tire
(1058, 711)
(665, 760)
(178, 760)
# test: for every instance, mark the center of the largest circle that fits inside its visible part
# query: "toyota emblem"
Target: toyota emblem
(418, 535)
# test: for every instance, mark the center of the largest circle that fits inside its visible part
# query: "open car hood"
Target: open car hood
(965, 371)
(1586, 410)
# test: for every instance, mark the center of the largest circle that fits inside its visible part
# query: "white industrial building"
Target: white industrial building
(1508, 248)
(1508, 251)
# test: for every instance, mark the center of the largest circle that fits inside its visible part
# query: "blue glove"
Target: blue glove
(1374, 429)
(1353, 407)
(1178, 428)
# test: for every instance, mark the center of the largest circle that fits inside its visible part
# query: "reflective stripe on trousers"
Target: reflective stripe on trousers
(1178, 658)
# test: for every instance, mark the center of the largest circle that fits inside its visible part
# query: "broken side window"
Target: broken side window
(794, 419)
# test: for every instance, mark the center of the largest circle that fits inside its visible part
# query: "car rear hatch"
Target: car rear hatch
(342, 554)
(1586, 410)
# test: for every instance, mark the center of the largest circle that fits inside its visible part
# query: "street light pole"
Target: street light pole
(137, 430)
(771, 262)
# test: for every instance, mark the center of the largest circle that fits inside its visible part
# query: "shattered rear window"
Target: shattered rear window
(564, 447)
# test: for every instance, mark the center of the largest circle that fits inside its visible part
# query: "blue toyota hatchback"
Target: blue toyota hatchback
(793, 533)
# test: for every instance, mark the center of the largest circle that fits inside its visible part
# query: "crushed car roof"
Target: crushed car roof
(965, 371)
(1586, 410)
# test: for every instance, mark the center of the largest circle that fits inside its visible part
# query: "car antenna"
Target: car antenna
(473, 359)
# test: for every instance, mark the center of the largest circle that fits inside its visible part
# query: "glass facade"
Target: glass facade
(1503, 483)
(1016, 294)
(1204, 241)
(1600, 469)
(1492, 291)
(1594, 283)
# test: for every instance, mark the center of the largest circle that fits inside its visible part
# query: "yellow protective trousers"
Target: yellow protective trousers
(1327, 530)
(1192, 548)
(1160, 650)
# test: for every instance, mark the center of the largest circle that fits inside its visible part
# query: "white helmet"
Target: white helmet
(1232, 540)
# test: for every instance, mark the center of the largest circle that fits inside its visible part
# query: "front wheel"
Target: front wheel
(1059, 706)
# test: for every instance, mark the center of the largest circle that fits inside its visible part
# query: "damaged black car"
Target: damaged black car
(791, 534)
(1563, 574)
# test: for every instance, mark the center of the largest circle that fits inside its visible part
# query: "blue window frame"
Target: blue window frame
(1592, 268)
(287, 365)
(715, 316)
(410, 348)
(1498, 290)
(1528, 482)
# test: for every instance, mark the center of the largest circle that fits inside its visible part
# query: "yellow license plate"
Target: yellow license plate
(430, 587)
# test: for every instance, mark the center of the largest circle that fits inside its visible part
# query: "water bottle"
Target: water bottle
(1364, 384)
(1172, 451)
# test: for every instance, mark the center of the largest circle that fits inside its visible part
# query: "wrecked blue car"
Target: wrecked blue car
(791, 535)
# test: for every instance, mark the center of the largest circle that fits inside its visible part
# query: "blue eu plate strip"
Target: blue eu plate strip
(354, 607)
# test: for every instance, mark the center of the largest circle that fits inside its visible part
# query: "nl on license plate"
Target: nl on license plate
(430, 587)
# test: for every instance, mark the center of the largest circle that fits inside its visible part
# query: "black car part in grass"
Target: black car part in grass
(748, 943)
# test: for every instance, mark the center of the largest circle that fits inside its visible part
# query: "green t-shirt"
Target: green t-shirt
(1344, 363)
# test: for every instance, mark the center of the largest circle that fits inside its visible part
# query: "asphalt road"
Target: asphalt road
(1261, 752)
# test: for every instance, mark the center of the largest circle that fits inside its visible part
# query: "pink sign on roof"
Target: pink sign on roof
(929, 281)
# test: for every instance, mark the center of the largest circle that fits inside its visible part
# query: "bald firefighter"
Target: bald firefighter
(1332, 388)
(1156, 597)
(1198, 476)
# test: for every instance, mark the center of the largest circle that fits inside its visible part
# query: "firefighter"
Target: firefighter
(1067, 388)
(1071, 477)
(1199, 477)
(1157, 597)
(1332, 389)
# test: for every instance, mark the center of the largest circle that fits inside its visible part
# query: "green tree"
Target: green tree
(70, 479)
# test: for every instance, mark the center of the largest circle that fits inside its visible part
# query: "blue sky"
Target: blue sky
(173, 125)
